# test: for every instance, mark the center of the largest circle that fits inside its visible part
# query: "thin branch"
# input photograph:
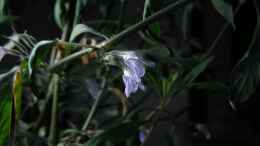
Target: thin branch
(134, 28)
(53, 126)
(94, 107)
(140, 25)
(9, 73)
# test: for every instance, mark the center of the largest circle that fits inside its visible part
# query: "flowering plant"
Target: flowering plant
(82, 88)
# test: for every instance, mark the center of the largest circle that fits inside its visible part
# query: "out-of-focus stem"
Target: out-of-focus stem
(53, 127)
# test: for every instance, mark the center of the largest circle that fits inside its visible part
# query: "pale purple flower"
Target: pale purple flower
(143, 134)
(133, 66)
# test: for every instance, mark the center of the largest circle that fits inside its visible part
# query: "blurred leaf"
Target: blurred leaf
(4, 16)
(60, 11)
(196, 71)
(186, 18)
(119, 133)
(79, 6)
(170, 82)
(5, 113)
(245, 76)
(35, 51)
(225, 9)
(155, 28)
(3, 4)
(147, 4)
(81, 28)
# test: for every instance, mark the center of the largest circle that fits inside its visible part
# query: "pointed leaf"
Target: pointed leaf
(225, 9)
(196, 71)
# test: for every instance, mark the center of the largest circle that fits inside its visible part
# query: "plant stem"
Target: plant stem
(55, 80)
(134, 28)
(94, 107)
(140, 25)
(69, 58)
(53, 127)
(9, 73)
(91, 113)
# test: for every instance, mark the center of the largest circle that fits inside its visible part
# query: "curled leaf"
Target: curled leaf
(81, 28)
(34, 52)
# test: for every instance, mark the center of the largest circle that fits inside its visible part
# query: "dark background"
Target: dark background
(226, 125)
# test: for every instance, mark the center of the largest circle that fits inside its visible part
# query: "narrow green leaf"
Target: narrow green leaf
(225, 9)
(60, 11)
(79, 6)
(3, 7)
(147, 4)
(164, 87)
(196, 71)
(171, 80)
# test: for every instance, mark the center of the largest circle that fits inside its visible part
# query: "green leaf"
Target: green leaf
(79, 6)
(119, 133)
(225, 9)
(245, 76)
(81, 29)
(147, 4)
(196, 71)
(60, 11)
(46, 44)
(3, 4)
(211, 87)
(4, 16)
(5, 113)
(171, 80)
(155, 28)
